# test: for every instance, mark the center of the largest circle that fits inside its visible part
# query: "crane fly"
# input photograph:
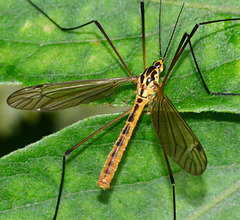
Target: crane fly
(177, 139)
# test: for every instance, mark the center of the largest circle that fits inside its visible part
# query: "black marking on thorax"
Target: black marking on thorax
(148, 75)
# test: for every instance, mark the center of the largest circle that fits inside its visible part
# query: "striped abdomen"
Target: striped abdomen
(116, 154)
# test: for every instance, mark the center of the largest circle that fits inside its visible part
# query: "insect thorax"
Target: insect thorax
(147, 82)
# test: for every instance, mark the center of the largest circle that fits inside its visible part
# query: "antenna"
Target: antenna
(174, 29)
(143, 33)
(160, 43)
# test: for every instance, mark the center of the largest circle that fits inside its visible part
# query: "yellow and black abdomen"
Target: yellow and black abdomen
(116, 154)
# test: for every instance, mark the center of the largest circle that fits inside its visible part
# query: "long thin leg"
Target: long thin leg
(186, 39)
(80, 26)
(201, 77)
(173, 185)
(143, 33)
(75, 147)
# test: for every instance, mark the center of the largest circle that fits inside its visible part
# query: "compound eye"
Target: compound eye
(164, 67)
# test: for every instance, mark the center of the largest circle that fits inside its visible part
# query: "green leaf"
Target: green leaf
(141, 189)
(34, 51)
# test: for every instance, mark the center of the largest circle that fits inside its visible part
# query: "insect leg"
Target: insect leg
(75, 147)
(80, 26)
(173, 185)
(200, 74)
(182, 45)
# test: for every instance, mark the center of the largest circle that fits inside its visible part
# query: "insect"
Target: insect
(177, 139)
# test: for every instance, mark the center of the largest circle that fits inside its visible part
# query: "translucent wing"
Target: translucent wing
(55, 96)
(177, 139)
